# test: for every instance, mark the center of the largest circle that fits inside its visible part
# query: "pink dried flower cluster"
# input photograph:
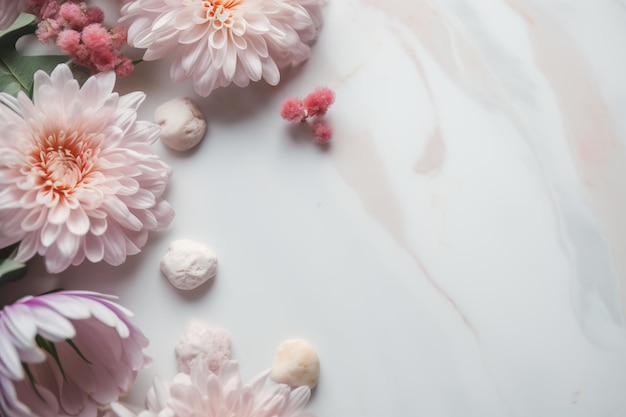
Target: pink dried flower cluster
(314, 105)
(80, 33)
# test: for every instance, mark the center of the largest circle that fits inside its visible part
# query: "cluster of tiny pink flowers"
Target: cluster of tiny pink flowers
(315, 106)
(80, 33)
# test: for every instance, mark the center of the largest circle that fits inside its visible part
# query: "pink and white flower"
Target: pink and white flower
(66, 354)
(78, 177)
(206, 394)
(218, 42)
(10, 10)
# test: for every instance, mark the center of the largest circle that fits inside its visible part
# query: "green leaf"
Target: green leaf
(9, 251)
(77, 350)
(11, 270)
(51, 348)
(33, 381)
(16, 70)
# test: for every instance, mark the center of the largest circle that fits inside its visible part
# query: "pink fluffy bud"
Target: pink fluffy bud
(97, 38)
(292, 110)
(119, 35)
(68, 40)
(74, 15)
(318, 102)
(323, 131)
(94, 15)
(124, 67)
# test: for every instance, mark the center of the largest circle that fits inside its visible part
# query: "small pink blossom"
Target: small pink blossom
(103, 60)
(68, 40)
(124, 68)
(314, 106)
(73, 15)
(44, 9)
(98, 49)
(318, 102)
(323, 131)
(80, 54)
(96, 38)
(293, 110)
(48, 30)
(119, 36)
(94, 15)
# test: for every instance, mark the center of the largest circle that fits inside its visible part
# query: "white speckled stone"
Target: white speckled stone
(188, 264)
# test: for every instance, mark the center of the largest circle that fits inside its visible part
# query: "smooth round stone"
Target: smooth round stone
(182, 123)
(188, 264)
(296, 363)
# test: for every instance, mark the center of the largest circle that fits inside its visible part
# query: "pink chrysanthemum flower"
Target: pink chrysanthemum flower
(218, 42)
(10, 10)
(205, 394)
(66, 354)
(78, 177)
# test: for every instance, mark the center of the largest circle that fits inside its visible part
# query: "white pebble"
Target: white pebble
(200, 342)
(188, 264)
(296, 363)
(182, 123)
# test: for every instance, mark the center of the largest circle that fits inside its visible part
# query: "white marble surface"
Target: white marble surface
(459, 250)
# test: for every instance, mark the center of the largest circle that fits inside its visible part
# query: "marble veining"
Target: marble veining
(459, 249)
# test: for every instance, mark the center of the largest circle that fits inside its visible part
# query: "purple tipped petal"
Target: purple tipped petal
(105, 365)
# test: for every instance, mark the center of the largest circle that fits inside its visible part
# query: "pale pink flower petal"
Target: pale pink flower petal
(111, 346)
(78, 177)
(10, 10)
(204, 393)
(219, 42)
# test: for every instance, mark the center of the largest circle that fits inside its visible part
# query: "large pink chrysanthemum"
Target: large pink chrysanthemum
(78, 177)
(66, 354)
(10, 10)
(216, 42)
(205, 394)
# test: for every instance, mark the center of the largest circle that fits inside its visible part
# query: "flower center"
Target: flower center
(219, 12)
(62, 161)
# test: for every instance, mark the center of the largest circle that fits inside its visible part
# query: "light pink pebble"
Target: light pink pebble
(200, 342)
